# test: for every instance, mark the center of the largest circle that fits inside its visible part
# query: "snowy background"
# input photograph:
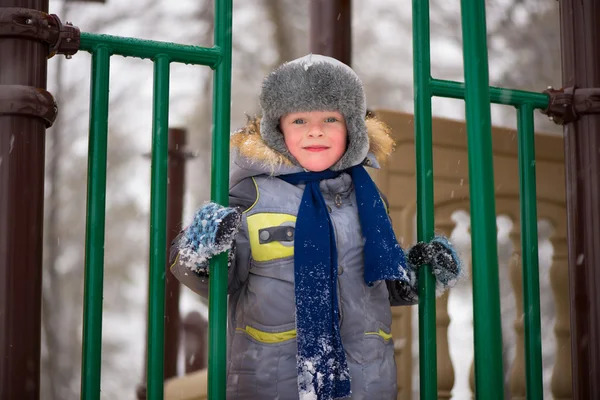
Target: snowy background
(524, 54)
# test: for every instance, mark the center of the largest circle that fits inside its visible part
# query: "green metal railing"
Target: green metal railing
(477, 95)
(102, 47)
(489, 375)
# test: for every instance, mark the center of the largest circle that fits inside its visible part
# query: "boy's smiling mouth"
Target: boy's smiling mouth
(316, 148)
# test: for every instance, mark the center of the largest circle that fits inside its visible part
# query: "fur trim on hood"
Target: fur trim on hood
(248, 143)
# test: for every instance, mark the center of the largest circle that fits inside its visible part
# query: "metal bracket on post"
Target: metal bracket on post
(568, 104)
(28, 101)
(26, 23)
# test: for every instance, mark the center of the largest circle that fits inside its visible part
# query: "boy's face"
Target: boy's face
(317, 139)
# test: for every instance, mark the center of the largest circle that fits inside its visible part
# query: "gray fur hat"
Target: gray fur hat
(315, 83)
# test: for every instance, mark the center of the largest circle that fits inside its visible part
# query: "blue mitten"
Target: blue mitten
(212, 231)
(443, 259)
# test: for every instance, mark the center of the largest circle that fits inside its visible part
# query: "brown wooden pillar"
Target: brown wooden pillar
(580, 43)
(195, 330)
(26, 109)
(175, 194)
(28, 35)
(331, 29)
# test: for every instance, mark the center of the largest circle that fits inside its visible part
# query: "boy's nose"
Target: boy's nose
(315, 131)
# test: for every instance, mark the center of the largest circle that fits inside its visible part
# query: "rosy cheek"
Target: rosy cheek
(341, 142)
(291, 144)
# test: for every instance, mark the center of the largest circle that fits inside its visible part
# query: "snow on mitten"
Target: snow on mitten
(212, 231)
(443, 259)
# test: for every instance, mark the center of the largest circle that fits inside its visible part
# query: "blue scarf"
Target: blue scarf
(321, 360)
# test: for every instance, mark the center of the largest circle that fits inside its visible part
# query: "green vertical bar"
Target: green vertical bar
(217, 308)
(489, 378)
(425, 215)
(158, 228)
(95, 223)
(529, 251)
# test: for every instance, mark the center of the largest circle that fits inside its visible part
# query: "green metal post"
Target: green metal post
(217, 317)
(529, 253)
(425, 216)
(94, 246)
(489, 375)
(158, 228)
(163, 53)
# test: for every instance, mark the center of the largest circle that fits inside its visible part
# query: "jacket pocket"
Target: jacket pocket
(379, 365)
(262, 357)
(378, 343)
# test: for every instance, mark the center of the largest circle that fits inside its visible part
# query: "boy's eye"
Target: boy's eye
(299, 121)
(331, 119)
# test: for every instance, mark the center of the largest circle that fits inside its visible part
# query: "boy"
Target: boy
(314, 262)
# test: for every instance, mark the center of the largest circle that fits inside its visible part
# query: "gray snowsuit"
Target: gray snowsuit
(261, 333)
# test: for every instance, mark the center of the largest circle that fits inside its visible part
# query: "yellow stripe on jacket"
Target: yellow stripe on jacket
(268, 337)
